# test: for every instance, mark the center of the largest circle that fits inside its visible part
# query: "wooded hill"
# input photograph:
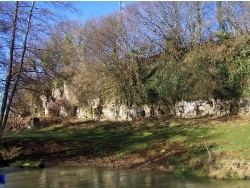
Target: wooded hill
(150, 52)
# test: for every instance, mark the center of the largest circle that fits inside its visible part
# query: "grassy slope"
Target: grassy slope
(170, 144)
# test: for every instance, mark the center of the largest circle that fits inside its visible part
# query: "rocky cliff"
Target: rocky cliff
(64, 103)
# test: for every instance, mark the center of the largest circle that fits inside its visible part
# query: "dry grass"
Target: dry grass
(230, 169)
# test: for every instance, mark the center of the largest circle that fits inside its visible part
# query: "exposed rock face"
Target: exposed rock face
(212, 107)
(244, 107)
(63, 112)
(51, 108)
(61, 103)
(202, 108)
(64, 103)
(111, 110)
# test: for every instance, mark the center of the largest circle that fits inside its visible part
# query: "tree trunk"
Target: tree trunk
(220, 16)
(12, 92)
(199, 21)
(9, 74)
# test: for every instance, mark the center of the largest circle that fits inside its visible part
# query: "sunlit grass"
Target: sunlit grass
(233, 140)
(188, 144)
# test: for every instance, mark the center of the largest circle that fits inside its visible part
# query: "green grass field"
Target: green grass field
(215, 147)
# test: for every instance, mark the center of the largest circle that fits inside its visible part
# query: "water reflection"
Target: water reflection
(76, 177)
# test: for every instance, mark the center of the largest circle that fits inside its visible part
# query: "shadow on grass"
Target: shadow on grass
(182, 142)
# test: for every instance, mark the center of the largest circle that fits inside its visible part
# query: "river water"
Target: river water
(79, 177)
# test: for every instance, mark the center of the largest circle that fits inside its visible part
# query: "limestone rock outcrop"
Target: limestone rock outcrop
(203, 108)
(244, 106)
(112, 110)
(64, 103)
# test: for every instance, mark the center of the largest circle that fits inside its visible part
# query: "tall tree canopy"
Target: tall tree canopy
(151, 52)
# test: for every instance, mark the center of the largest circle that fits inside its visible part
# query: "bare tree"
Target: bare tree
(220, 14)
(195, 12)
(237, 15)
(5, 113)
(28, 24)
(160, 23)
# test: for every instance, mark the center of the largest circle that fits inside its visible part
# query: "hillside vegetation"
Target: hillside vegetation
(150, 53)
(205, 147)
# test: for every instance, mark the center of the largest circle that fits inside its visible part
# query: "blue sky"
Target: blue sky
(92, 9)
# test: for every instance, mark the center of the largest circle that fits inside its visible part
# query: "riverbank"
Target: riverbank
(214, 147)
